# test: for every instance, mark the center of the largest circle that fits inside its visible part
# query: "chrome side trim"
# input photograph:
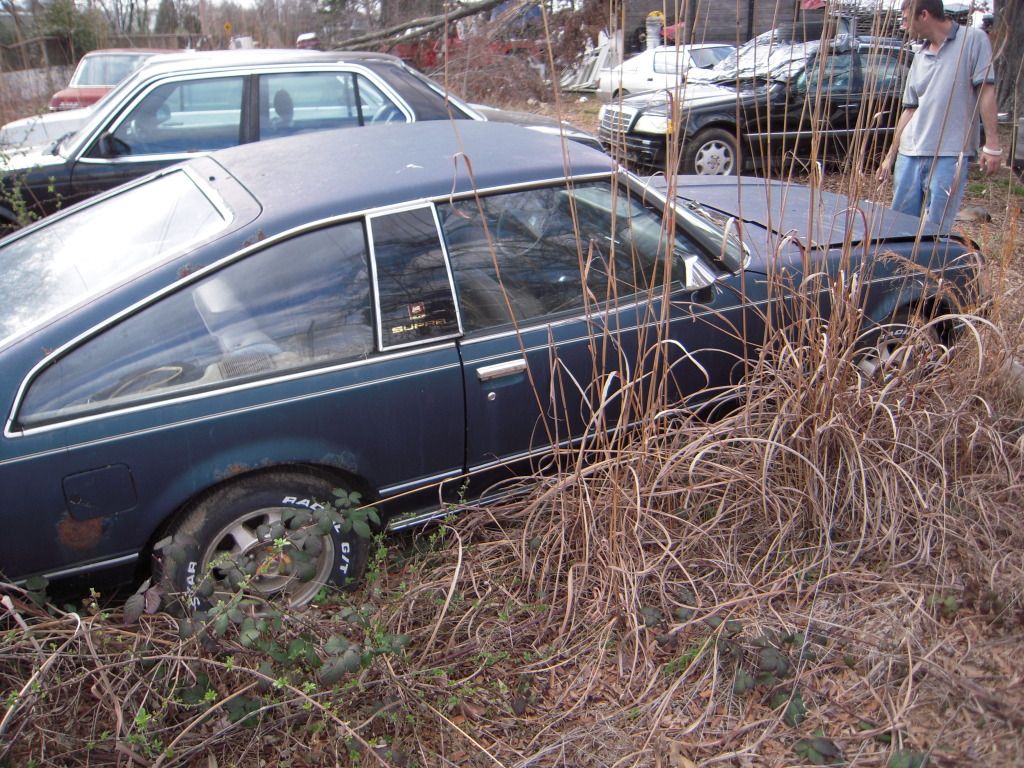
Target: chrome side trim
(230, 412)
(102, 564)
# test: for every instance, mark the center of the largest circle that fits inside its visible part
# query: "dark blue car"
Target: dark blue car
(204, 356)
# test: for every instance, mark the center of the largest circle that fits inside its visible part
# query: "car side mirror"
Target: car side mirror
(111, 146)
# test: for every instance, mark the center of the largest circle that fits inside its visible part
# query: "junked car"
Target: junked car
(99, 71)
(664, 66)
(196, 360)
(774, 98)
(178, 106)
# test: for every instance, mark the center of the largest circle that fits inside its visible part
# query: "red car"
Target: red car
(98, 72)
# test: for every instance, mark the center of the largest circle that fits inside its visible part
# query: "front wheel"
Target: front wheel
(907, 343)
(712, 152)
(264, 534)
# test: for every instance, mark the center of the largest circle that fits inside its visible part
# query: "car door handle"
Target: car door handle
(499, 370)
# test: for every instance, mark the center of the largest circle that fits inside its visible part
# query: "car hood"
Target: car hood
(787, 209)
(28, 159)
(42, 129)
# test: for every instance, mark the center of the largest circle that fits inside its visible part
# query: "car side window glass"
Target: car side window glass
(188, 116)
(377, 107)
(534, 251)
(670, 62)
(412, 283)
(297, 304)
(298, 102)
(838, 76)
(883, 72)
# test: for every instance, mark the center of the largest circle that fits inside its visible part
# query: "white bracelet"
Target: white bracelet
(992, 152)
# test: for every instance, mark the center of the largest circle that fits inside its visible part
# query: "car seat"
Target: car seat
(284, 111)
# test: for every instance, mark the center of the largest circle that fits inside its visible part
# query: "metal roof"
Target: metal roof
(313, 176)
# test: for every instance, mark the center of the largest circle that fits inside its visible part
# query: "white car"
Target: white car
(656, 68)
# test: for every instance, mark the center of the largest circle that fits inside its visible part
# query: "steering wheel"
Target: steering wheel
(388, 113)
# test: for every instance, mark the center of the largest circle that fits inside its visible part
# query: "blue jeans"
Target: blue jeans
(934, 185)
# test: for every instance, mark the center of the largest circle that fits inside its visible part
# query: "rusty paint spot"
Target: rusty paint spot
(254, 239)
(79, 535)
(188, 269)
(231, 470)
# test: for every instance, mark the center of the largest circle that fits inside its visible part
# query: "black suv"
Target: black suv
(772, 100)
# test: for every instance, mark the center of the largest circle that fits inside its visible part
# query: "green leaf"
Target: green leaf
(819, 751)
(907, 759)
(651, 616)
(220, 625)
(336, 667)
(37, 583)
(336, 645)
(240, 709)
(195, 694)
(362, 529)
(795, 712)
(134, 607)
(743, 682)
(249, 634)
(374, 518)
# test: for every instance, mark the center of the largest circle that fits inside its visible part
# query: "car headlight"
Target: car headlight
(653, 124)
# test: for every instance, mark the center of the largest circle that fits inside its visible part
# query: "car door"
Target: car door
(826, 103)
(167, 122)
(302, 102)
(884, 72)
(561, 291)
(298, 353)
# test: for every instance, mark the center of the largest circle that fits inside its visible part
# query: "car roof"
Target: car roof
(329, 173)
(127, 51)
(245, 57)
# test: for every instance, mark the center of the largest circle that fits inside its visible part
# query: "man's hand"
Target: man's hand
(884, 171)
(990, 159)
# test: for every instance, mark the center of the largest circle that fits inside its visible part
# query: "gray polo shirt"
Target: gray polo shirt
(944, 87)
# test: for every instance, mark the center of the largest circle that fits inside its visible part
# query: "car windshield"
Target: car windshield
(106, 69)
(55, 267)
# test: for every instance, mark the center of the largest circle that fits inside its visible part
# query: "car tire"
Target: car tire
(712, 152)
(227, 524)
(907, 342)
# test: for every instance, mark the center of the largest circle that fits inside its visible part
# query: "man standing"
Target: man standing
(950, 84)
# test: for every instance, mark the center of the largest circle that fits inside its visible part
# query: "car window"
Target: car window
(296, 304)
(534, 251)
(313, 101)
(671, 62)
(705, 58)
(412, 284)
(187, 116)
(106, 69)
(883, 72)
(838, 76)
(51, 268)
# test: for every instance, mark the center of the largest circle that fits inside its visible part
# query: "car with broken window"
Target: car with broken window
(202, 362)
(179, 106)
(664, 66)
(776, 99)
